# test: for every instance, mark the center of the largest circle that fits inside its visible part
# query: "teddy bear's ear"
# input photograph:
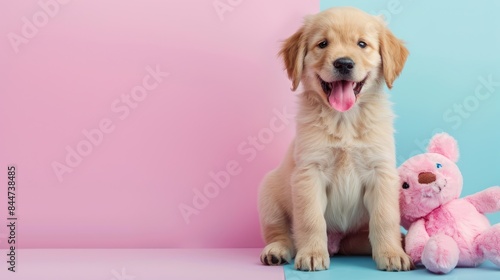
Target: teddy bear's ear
(444, 144)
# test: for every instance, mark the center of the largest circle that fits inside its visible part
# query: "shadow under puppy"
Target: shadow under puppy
(337, 186)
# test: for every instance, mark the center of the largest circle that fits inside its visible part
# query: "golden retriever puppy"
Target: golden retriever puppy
(339, 176)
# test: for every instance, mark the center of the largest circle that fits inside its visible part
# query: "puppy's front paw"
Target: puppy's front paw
(312, 260)
(393, 260)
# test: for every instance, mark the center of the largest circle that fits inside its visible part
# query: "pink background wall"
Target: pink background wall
(77, 68)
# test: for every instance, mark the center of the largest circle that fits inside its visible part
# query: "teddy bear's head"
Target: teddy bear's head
(429, 180)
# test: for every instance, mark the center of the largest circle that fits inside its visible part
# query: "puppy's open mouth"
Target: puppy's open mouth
(342, 94)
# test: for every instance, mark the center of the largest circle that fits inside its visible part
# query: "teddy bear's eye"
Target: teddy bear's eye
(439, 165)
(406, 186)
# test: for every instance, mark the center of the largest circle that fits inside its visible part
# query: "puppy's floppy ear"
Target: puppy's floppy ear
(293, 52)
(393, 53)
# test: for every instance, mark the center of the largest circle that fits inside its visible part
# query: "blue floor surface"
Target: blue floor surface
(364, 268)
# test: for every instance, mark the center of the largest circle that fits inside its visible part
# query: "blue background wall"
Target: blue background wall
(454, 52)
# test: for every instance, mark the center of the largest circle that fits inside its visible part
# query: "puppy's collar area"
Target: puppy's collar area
(342, 94)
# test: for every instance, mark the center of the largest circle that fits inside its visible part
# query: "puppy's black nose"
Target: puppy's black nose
(343, 65)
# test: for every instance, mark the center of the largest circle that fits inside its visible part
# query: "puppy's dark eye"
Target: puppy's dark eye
(362, 44)
(323, 44)
(406, 186)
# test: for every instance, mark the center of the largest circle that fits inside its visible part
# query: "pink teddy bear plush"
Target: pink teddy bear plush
(443, 230)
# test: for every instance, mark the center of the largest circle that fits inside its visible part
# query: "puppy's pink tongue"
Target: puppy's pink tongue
(342, 97)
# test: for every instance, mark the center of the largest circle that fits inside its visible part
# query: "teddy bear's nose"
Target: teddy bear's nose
(426, 177)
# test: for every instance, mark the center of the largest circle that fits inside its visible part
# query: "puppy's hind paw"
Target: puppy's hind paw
(276, 253)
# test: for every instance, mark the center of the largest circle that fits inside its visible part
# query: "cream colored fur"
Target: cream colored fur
(339, 174)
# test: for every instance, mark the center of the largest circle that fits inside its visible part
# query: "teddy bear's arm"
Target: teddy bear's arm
(415, 240)
(486, 201)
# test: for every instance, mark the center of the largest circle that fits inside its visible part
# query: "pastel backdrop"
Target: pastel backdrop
(115, 113)
(150, 124)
